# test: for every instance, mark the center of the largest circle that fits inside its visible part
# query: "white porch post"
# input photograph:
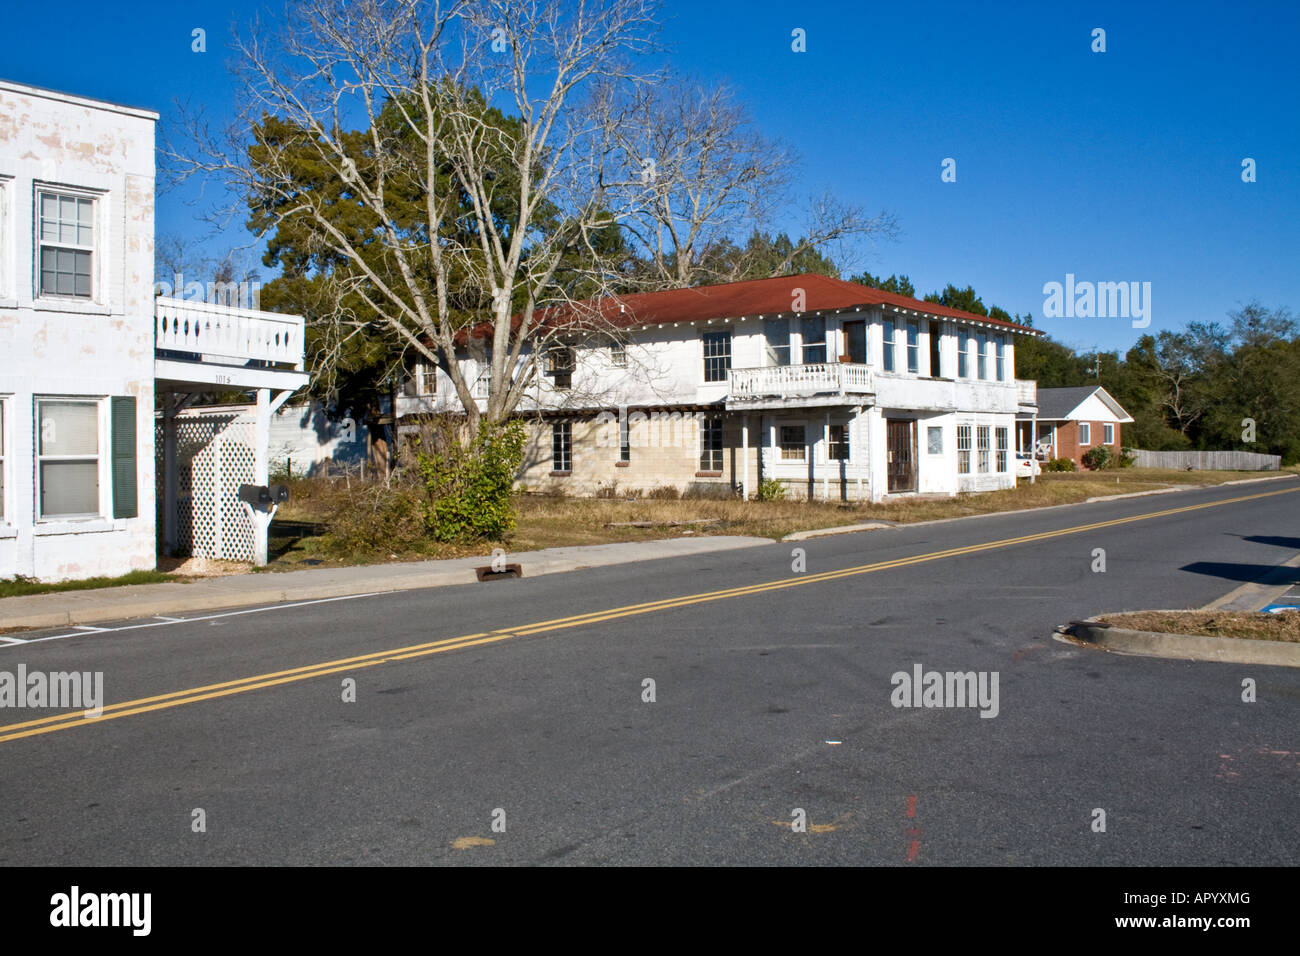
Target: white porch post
(857, 448)
(826, 456)
(266, 407)
(1033, 446)
(744, 457)
(171, 479)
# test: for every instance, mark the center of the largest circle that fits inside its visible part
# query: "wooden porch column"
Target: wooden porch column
(857, 448)
(744, 457)
(826, 457)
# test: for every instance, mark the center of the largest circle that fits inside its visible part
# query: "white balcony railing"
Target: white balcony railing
(1027, 393)
(839, 378)
(228, 336)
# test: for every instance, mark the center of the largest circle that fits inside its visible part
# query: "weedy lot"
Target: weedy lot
(333, 522)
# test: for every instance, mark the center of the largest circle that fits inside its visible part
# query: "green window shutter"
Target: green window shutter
(125, 504)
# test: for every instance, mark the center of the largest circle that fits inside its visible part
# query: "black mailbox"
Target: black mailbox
(258, 496)
(279, 494)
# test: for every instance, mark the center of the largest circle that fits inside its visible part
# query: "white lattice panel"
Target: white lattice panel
(214, 456)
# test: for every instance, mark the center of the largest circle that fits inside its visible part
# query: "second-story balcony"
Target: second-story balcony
(795, 386)
(1027, 395)
(207, 346)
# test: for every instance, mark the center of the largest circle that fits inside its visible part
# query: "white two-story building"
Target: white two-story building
(93, 367)
(833, 389)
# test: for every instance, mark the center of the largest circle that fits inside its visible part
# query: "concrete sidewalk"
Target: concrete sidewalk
(63, 608)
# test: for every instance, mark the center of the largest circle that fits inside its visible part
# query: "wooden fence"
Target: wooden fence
(1207, 460)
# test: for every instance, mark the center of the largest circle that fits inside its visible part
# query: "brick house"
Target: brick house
(1071, 421)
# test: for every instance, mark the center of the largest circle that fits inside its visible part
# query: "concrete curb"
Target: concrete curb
(1189, 647)
(876, 525)
(1261, 592)
(248, 590)
(843, 529)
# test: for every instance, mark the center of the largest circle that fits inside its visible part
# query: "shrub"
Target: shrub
(1059, 464)
(368, 516)
(1126, 458)
(770, 489)
(1095, 459)
(469, 482)
(664, 492)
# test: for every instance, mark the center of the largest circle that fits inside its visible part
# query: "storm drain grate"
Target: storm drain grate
(509, 571)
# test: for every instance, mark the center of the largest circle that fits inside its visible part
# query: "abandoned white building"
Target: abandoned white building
(87, 352)
(834, 389)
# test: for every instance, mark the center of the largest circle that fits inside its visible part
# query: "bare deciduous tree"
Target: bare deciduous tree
(431, 163)
(705, 177)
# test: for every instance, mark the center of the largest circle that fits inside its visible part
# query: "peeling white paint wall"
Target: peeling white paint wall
(75, 348)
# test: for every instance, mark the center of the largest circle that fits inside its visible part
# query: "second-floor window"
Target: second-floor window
(913, 347)
(560, 361)
(981, 355)
(424, 379)
(888, 349)
(618, 354)
(1001, 345)
(936, 364)
(66, 241)
(717, 355)
(813, 334)
(776, 341)
(963, 354)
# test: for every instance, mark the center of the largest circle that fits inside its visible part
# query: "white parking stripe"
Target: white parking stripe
(85, 630)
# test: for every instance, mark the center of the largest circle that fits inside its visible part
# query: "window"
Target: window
(1002, 450)
(424, 379)
(855, 341)
(711, 443)
(982, 446)
(67, 459)
(624, 439)
(1001, 345)
(1108, 434)
(776, 338)
(562, 447)
(1085, 433)
(618, 354)
(981, 355)
(560, 360)
(936, 363)
(67, 244)
(913, 347)
(889, 345)
(963, 449)
(4, 238)
(792, 442)
(963, 355)
(934, 440)
(839, 445)
(717, 356)
(813, 334)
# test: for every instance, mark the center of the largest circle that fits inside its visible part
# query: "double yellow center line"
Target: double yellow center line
(193, 695)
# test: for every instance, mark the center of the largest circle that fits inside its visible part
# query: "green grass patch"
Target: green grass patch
(19, 586)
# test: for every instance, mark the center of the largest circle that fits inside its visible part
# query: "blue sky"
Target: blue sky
(1115, 166)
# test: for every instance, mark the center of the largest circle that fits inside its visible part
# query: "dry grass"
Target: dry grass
(301, 536)
(1284, 626)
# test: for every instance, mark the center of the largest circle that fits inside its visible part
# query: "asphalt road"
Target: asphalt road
(769, 700)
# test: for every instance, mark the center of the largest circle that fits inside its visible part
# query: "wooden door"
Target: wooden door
(855, 341)
(901, 444)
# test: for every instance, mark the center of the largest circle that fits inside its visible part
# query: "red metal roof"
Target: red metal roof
(750, 298)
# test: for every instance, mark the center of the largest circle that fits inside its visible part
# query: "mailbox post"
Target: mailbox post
(262, 502)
